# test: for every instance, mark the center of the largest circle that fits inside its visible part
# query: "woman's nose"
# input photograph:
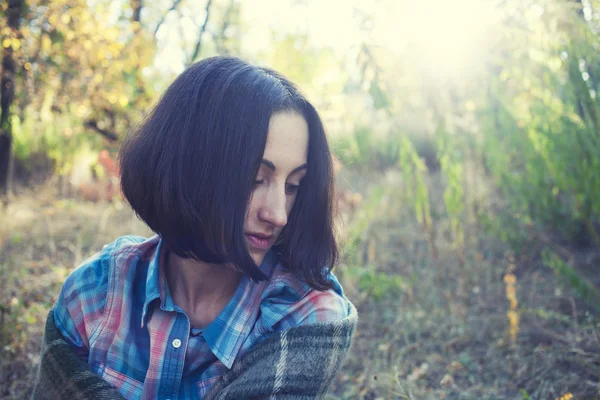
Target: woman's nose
(273, 210)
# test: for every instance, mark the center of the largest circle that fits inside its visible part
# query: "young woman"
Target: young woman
(234, 298)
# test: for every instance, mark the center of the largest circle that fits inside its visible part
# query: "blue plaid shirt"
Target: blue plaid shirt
(117, 312)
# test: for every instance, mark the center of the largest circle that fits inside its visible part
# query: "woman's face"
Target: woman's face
(276, 185)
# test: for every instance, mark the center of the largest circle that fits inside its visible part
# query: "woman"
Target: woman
(234, 298)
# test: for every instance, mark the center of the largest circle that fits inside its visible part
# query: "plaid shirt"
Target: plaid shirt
(117, 311)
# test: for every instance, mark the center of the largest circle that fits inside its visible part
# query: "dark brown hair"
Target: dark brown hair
(188, 169)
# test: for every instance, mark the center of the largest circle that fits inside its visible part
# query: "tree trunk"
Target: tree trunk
(7, 93)
(136, 5)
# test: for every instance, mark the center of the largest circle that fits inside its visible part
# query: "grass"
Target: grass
(445, 334)
(438, 329)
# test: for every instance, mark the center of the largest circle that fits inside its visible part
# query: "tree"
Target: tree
(7, 91)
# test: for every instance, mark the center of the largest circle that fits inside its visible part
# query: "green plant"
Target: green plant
(358, 227)
(60, 137)
(567, 274)
(365, 148)
(375, 284)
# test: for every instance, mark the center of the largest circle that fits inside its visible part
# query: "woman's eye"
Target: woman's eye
(291, 189)
(257, 182)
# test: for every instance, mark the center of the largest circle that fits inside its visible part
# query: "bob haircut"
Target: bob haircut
(188, 169)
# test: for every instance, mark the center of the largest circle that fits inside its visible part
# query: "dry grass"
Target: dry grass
(442, 334)
(41, 240)
(448, 333)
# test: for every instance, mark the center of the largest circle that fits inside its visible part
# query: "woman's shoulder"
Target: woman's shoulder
(83, 297)
(94, 271)
(288, 301)
(88, 283)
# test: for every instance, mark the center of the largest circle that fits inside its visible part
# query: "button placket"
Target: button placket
(175, 354)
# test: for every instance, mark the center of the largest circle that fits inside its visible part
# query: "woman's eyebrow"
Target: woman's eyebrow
(271, 166)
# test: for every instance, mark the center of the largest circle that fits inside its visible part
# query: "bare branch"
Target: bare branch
(200, 33)
(93, 124)
(220, 39)
(162, 19)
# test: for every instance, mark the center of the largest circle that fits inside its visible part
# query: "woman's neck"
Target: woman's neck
(201, 289)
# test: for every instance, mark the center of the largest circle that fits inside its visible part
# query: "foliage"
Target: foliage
(530, 121)
(61, 137)
(359, 149)
(509, 143)
(572, 278)
(74, 60)
(375, 284)
(540, 142)
(413, 171)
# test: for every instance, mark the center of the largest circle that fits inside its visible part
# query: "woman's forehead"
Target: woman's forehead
(287, 140)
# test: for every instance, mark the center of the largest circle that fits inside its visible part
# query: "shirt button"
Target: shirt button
(176, 343)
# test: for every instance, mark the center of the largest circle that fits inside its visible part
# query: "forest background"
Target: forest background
(467, 134)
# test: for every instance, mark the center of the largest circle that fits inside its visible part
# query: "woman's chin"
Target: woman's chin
(257, 255)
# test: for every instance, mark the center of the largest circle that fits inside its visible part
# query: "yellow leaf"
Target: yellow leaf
(53, 19)
(81, 111)
(27, 66)
(46, 43)
(111, 34)
(65, 19)
(447, 381)
(123, 100)
(114, 49)
(133, 58)
(384, 347)
(6, 42)
(16, 43)
(418, 372)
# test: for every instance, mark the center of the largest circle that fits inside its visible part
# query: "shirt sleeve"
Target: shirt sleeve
(288, 303)
(82, 299)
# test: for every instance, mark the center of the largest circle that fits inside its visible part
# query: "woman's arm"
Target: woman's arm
(77, 314)
(81, 302)
(63, 375)
(295, 364)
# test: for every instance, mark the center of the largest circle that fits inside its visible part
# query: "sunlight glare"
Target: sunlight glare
(448, 37)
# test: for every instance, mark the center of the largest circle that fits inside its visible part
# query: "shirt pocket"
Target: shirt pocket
(129, 387)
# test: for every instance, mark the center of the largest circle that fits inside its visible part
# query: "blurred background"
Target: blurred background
(467, 135)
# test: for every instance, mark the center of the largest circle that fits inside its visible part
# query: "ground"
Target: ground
(431, 327)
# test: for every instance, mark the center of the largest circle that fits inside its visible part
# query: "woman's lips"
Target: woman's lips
(261, 243)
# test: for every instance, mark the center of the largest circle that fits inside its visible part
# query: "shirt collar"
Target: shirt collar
(152, 281)
(226, 334)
